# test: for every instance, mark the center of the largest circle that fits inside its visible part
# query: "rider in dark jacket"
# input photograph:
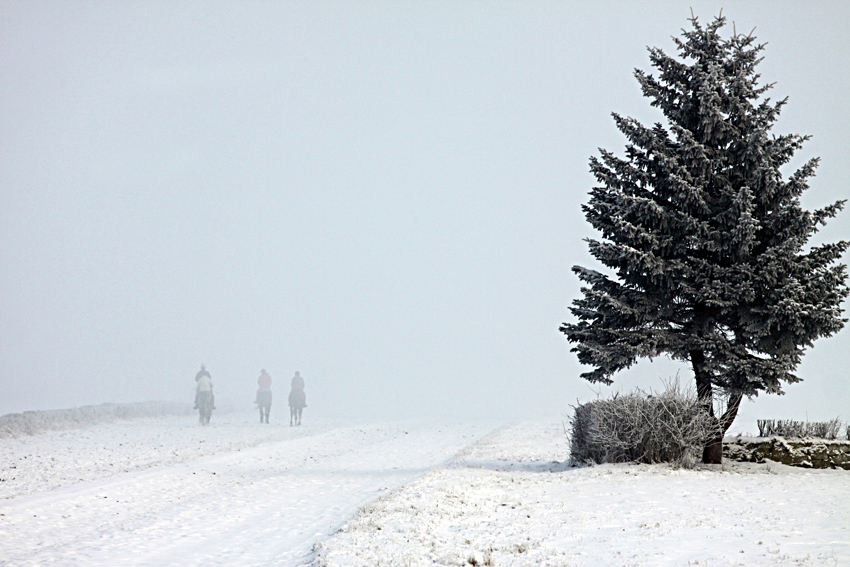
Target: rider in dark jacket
(297, 382)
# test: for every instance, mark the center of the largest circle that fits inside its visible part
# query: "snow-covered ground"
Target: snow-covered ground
(505, 501)
(169, 492)
(166, 491)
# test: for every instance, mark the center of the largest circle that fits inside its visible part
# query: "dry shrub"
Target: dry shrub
(667, 427)
(14, 425)
(788, 428)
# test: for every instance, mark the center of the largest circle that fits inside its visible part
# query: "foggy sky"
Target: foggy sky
(383, 196)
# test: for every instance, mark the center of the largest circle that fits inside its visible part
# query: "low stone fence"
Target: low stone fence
(809, 453)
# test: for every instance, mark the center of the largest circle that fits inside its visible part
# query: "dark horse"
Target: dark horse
(297, 402)
(205, 407)
(264, 403)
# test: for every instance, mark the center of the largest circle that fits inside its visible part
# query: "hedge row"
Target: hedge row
(34, 422)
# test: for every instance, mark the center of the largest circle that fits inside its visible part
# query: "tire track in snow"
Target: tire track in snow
(265, 505)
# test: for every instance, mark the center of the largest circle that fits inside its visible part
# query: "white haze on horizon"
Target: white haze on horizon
(385, 197)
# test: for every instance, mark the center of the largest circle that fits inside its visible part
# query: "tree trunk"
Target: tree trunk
(712, 451)
(731, 411)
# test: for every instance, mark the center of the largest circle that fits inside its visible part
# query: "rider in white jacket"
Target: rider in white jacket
(204, 384)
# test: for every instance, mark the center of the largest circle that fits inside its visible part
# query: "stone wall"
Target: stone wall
(809, 453)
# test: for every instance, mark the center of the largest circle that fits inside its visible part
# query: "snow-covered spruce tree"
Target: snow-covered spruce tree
(706, 242)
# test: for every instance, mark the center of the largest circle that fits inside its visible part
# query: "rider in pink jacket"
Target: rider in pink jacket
(264, 381)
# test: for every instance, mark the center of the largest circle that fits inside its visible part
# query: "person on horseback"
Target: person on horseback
(201, 372)
(264, 381)
(297, 381)
(297, 400)
(264, 395)
(203, 383)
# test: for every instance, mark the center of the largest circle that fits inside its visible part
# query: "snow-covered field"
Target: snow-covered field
(165, 491)
(503, 501)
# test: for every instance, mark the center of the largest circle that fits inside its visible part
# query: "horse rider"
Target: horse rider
(297, 381)
(297, 400)
(203, 383)
(264, 382)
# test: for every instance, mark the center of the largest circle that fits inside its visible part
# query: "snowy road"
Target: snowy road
(260, 497)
